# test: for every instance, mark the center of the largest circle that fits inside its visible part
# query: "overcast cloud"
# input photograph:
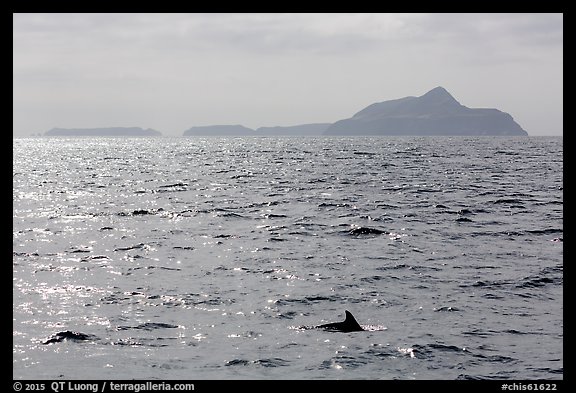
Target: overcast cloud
(173, 71)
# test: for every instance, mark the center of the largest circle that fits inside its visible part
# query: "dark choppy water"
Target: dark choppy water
(174, 258)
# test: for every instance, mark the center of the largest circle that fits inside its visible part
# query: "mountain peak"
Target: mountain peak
(439, 94)
(438, 90)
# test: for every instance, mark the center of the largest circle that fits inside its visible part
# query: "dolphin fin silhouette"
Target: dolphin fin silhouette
(348, 325)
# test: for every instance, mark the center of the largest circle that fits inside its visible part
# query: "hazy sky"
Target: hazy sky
(173, 71)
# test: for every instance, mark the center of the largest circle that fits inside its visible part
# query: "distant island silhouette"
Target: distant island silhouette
(435, 113)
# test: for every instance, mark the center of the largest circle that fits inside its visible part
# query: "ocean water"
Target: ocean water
(205, 258)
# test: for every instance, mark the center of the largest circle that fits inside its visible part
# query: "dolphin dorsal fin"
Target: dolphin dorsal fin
(351, 321)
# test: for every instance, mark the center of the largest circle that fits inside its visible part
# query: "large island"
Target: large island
(434, 113)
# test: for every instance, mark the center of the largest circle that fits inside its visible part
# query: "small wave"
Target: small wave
(268, 362)
(242, 176)
(365, 231)
(25, 254)
(272, 216)
(276, 239)
(95, 258)
(140, 212)
(480, 333)
(444, 347)
(378, 278)
(496, 234)
(547, 275)
(495, 358)
(467, 377)
(395, 267)
(227, 214)
(307, 300)
(335, 205)
(506, 201)
(382, 352)
(532, 282)
(406, 351)
(548, 231)
(507, 153)
(287, 315)
(558, 269)
(174, 185)
(318, 298)
(149, 326)
(302, 327)
(427, 351)
(113, 299)
(127, 342)
(238, 362)
(446, 308)
(134, 247)
(480, 283)
(514, 331)
(80, 250)
(248, 334)
(216, 301)
(374, 328)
